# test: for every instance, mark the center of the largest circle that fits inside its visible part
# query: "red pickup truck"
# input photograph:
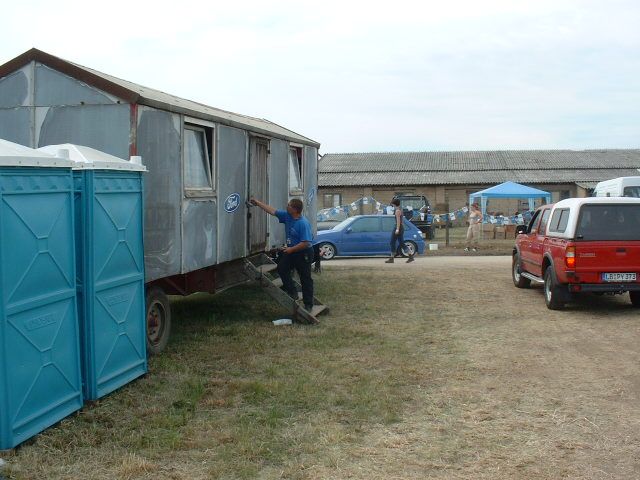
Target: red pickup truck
(580, 245)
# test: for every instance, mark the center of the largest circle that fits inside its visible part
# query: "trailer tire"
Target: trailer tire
(158, 320)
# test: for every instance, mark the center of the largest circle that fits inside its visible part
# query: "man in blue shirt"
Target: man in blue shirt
(298, 251)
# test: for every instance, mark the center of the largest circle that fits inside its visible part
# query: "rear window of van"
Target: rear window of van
(608, 222)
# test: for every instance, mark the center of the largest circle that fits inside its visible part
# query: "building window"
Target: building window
(331, 200)
(198, 159)
(295, 170)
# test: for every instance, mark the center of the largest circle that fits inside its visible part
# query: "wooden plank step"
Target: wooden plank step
(277, 282)
(267, 267)
(318, 309)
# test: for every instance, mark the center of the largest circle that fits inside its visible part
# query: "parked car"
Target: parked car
(365, 235)
(580, 245)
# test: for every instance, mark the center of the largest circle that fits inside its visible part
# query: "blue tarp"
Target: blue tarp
(509, 190)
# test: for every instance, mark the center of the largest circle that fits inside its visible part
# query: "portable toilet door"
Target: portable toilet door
(40, 374)
(110, 267)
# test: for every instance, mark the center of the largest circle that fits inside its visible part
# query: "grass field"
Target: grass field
(421, 371)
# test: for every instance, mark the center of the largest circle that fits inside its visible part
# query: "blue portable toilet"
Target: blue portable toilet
(110, 267)
(40, 373)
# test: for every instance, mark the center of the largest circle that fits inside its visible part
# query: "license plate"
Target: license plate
(619, 277)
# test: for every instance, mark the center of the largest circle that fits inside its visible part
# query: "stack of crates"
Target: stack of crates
(40, 373)
(110, 267)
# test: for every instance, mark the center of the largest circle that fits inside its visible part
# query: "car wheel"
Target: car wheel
(518, 280)
(409, 248)
(158, 320)
(327, 251)
(552, 294)
(635, 298)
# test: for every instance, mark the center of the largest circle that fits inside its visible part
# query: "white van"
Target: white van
(618, 187)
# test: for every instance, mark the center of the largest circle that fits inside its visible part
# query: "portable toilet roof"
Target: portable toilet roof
(16, 155)
(87, 158)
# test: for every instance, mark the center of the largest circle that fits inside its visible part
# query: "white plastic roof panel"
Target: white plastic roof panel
(87, 158)
(16, 155)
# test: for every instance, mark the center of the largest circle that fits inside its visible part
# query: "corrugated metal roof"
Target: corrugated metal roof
(134, 93)
(479, 160)
(471, 177)
(476, 167)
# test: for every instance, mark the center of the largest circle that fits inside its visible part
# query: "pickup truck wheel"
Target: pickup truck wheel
(158, 320)
(552, 294)
(409, 248)
(518, 280)
(327, 251)
(635, 298)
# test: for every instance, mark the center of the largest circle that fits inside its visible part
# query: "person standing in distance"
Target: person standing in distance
(473, 232)
(298, 252)
(397, 235)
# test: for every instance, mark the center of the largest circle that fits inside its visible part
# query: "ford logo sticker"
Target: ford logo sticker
(310, 195)
(232, 203)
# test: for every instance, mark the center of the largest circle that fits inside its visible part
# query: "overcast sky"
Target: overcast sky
(370, 76)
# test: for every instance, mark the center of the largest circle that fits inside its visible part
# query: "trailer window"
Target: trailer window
(295, 170)
(198, 159)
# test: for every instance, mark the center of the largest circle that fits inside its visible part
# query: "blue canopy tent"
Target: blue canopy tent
(509, 190)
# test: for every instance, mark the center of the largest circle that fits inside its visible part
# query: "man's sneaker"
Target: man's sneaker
(410, 259)
(466, 249)
(475, 249)
(308, 308)
(389, 260)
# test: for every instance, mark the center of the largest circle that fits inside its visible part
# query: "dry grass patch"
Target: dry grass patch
(423, 371)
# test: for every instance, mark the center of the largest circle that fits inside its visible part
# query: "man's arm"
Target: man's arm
(398, 220)
(267, 208)
(297, 248)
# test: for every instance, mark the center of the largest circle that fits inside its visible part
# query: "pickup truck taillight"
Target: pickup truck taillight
(570, 257)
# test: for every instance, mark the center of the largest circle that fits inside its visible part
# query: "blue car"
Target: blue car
(365, 235)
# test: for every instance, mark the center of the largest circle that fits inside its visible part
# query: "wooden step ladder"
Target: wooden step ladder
(263, 270)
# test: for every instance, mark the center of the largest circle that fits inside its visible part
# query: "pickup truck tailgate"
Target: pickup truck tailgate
(598, 257)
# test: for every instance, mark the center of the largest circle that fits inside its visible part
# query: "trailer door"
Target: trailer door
(257, 219)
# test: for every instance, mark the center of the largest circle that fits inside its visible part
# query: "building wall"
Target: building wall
(444, 198)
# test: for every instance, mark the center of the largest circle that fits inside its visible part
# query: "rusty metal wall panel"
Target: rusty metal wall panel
(158, 142)
(310, 160)
(14, 89)
(55, 88)
(103, 127)
(15, 125)
(232, 185)
(258, 189)
(199, 233)
(278, 188)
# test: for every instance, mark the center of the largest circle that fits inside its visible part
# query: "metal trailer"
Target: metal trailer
(204, 163)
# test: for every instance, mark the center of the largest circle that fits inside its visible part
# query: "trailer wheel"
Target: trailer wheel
(158, 320)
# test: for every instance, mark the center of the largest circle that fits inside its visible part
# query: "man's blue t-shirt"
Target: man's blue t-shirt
(297, 229)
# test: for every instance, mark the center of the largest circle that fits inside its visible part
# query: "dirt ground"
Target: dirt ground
(557, 391)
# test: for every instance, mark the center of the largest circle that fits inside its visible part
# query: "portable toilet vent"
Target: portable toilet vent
(110, 267)
(40, 373)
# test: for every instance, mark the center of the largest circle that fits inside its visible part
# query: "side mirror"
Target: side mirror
(521, 229)
(349, 230)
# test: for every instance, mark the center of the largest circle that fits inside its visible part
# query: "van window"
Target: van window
(559, 220)
(633, 191)
(608, 222)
